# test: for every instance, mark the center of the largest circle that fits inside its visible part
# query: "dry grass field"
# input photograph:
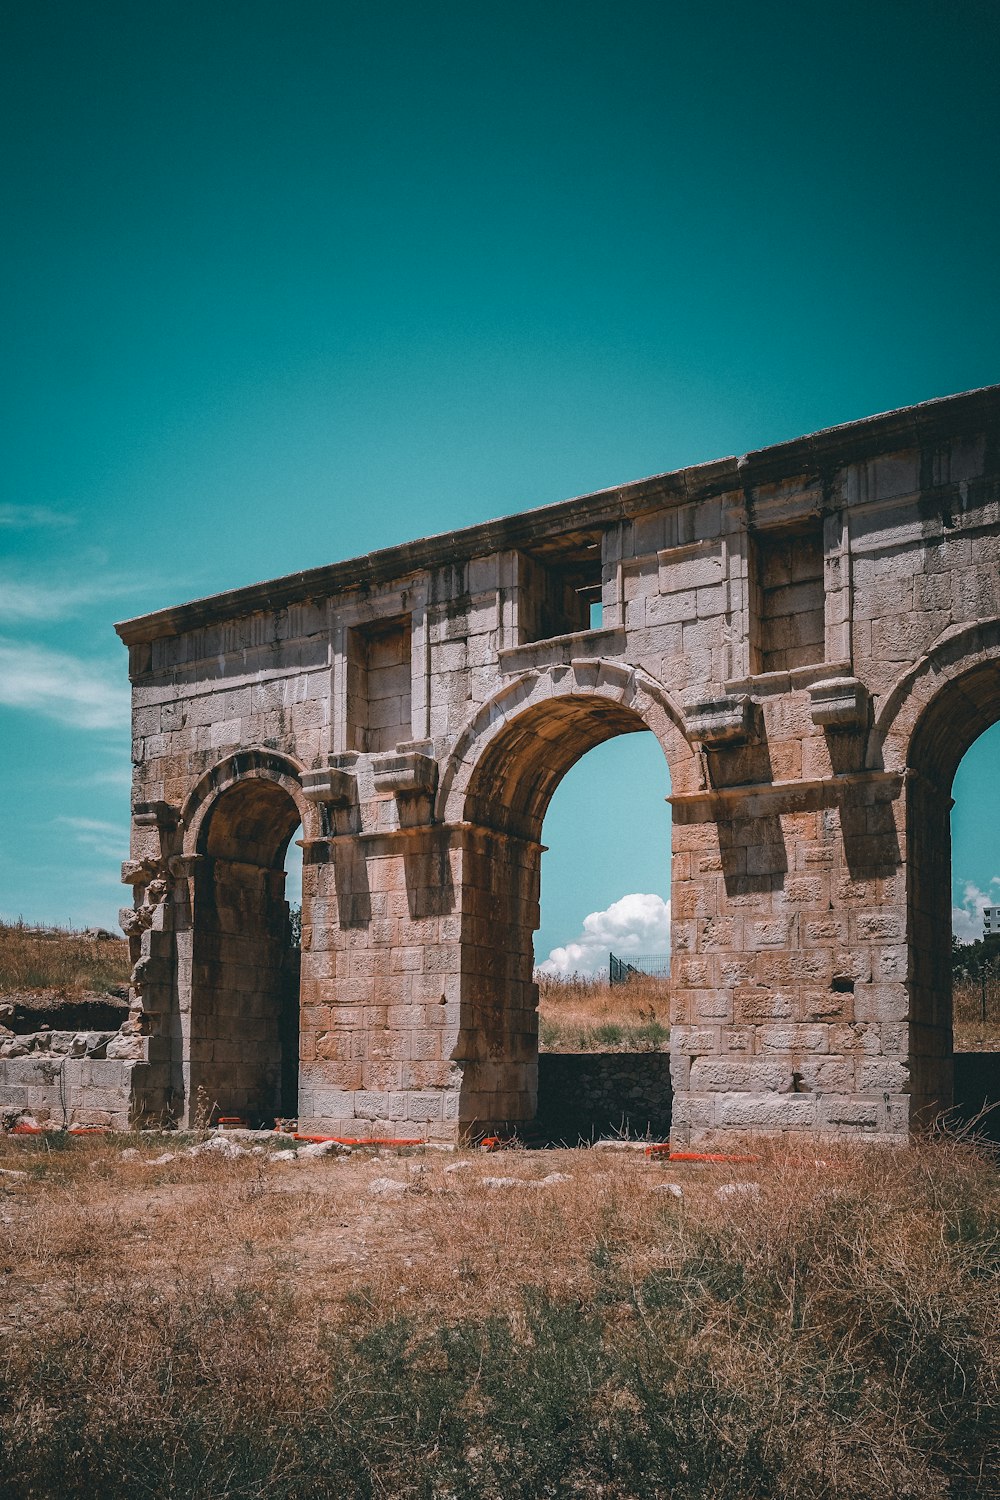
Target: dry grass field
(585, 1014)
(221, 1330)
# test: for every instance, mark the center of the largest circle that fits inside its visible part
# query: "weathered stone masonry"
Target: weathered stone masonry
(812, 632)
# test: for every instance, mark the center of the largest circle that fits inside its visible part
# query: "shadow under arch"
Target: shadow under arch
(509, 763)
(941, 707)
(242, 1016)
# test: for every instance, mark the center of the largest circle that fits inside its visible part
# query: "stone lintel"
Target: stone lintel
(824, 791)
(839, 703)
(770, 684)
(712, 722)
(382, 840)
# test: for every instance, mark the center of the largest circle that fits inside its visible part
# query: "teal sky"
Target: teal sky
(282, 283)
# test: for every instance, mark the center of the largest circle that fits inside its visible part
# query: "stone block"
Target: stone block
(793, 1040)
(737, 1111)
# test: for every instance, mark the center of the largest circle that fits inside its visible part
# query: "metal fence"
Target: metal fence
(976, 997)
(639, 965)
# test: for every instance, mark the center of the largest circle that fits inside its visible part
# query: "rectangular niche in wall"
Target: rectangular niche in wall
(790, 624)
(378, 685)
(560, 583)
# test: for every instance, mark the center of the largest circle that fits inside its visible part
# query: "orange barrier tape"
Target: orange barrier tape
(344, 1140)
(717, 1156)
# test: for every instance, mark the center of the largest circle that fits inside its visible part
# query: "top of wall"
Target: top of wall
(817, 454)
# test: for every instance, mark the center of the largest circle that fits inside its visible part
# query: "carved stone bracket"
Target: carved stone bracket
(716, 722)
(839, 703)
(161, 815)
(334, 784)
(406, 774)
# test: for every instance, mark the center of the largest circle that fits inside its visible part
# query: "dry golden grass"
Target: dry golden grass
(70, 963)
(586, 1014)
(973, 1031)
(233, 1329)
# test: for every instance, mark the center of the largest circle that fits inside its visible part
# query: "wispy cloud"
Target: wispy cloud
(56, 599)
(109, 840)
(967, 918)
(83, 694)
(639, 923)
(27, 517)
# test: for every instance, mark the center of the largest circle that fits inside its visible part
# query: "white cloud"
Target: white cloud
(83, 694)
(635, 924)
(26, 517)
(967, 919)
(109, 840)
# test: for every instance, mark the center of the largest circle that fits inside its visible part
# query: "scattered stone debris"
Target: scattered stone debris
(161, 1161)
(620, 1145)
(387, 1187)
(674, 1189)
(220, 1145)
(457, 1166)
(528, 1182)
(317, 1148)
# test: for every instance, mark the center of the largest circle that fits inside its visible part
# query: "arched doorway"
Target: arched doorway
(950, 720)
(503, 804)
(244, 1010)
(603, 944)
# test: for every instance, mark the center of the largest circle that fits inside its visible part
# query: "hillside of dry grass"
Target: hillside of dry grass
(231, 1330)
(59, 961)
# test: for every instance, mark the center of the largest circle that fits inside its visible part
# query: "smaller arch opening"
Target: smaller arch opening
(244, 1005)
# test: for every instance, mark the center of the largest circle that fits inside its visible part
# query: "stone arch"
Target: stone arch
(551, 718)
(929, 720)
(497, 786)
(241, 1056)
(253, 765)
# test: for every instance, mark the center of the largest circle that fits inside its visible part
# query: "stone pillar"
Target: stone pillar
(789, 968)
(419, 1012)
(380, 985)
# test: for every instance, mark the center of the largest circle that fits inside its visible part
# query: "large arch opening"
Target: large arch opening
(962, 710)
(506, 801)
(245, 965)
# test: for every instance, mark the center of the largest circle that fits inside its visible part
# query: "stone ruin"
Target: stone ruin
(812, 633)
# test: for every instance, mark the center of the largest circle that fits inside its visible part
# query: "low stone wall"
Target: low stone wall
(582, 1095)
(60, 1090)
